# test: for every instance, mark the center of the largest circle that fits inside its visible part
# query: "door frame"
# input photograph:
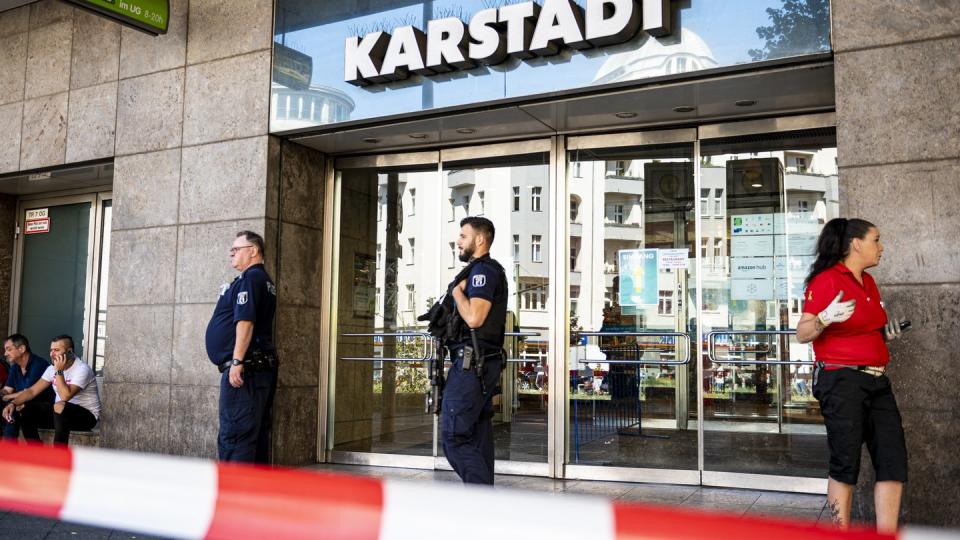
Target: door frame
(94, 249)
(559, 146)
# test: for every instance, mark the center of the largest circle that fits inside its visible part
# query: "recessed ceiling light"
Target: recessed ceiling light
(466, 131)
(418, 135)
(745, 102)
(371, 140)
(626, 114)
(684, 109)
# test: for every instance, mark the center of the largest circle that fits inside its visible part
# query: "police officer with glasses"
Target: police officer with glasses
(239, 342)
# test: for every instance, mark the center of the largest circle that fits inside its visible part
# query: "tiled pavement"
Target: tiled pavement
(740, 502)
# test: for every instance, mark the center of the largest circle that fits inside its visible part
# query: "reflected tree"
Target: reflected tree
(799, 26)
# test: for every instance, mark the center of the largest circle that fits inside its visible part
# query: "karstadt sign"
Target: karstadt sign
(522, 30)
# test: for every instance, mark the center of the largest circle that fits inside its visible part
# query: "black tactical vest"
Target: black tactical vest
(490, 333)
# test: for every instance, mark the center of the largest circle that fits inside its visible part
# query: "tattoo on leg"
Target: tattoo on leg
(834, 507)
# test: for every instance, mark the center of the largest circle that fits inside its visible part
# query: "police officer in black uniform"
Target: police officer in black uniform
(466, 420)
(240, 343)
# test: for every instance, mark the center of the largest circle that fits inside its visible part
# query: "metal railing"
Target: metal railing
(429, 348)
(684, 337)
(427, 354)
(519, 335)
(712, 345)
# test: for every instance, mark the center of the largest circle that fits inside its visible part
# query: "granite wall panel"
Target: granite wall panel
(43, 141)
(96, 50)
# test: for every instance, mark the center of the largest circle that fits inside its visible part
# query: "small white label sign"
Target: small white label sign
(751, 289)
(672, 259)
(751, 267)
(37, 226)
(38, 213)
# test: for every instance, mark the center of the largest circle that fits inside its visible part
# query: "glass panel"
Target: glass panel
(100, 344)
(522, 246)
(54, 278)
(632, 239)
(309, 54)
(774, 194)
(379, 404)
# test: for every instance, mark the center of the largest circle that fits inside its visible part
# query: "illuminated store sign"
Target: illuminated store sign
(522, 30)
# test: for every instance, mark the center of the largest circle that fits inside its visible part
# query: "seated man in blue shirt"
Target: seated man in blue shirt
(26, 369)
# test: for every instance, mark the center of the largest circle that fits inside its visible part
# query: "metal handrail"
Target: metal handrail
(681, 335)
(428, 350)
(520, 334)
(712, 343)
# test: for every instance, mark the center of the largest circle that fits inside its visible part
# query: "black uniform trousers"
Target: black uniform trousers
(859, 408)
(466, 420)
(245, 416)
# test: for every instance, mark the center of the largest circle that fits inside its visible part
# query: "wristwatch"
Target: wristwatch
(59, 372)
(236, 362)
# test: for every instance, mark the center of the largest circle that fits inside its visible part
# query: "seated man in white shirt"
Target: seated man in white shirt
(77, 405)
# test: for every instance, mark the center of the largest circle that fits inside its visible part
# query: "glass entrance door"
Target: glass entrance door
(398, 221)
(654, 293)
(632, 401)
(764, 201)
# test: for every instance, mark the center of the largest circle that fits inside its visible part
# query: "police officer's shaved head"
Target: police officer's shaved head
(481, 226)
(254, 239)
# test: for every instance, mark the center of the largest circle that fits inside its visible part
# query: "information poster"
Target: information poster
(672, 259)
(638, 277)
(752, 246)
(771, 254)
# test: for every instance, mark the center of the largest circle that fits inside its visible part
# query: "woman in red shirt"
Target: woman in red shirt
(845, 319)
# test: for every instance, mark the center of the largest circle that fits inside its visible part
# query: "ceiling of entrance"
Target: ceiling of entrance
(773, 91)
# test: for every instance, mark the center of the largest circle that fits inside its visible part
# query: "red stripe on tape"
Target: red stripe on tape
(36, 478)
(634, 522)
(259, 502)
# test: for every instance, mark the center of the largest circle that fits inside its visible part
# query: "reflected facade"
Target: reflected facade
(704, 34)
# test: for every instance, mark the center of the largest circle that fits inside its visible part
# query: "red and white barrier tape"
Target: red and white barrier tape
(193, 498)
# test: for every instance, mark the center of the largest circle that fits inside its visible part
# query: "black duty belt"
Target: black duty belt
(258, 361)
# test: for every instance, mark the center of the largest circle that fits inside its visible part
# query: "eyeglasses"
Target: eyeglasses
(234, 250)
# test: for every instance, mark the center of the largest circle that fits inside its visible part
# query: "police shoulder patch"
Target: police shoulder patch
(242, 298)
(479, 280)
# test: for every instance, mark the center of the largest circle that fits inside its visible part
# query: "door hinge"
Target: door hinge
(16, 232)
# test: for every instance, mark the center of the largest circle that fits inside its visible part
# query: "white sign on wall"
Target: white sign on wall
(751, 289)
(751, 246)
(751, 267)
(671, 259)
(750, 224)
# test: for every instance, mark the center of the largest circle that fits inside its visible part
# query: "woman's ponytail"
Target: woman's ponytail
(834, 243)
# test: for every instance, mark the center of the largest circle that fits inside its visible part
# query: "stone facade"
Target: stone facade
(184, 117)
(898, 130)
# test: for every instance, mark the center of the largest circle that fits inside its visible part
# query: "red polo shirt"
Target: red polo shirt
(859, 339)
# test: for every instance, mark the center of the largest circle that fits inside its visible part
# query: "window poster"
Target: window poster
(638, 277)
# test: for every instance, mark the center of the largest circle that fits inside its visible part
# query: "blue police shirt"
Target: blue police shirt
(251, 296)
(20, 381)
(486, 281)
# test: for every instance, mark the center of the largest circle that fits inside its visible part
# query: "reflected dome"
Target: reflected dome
(656, 58)
(293, 109)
